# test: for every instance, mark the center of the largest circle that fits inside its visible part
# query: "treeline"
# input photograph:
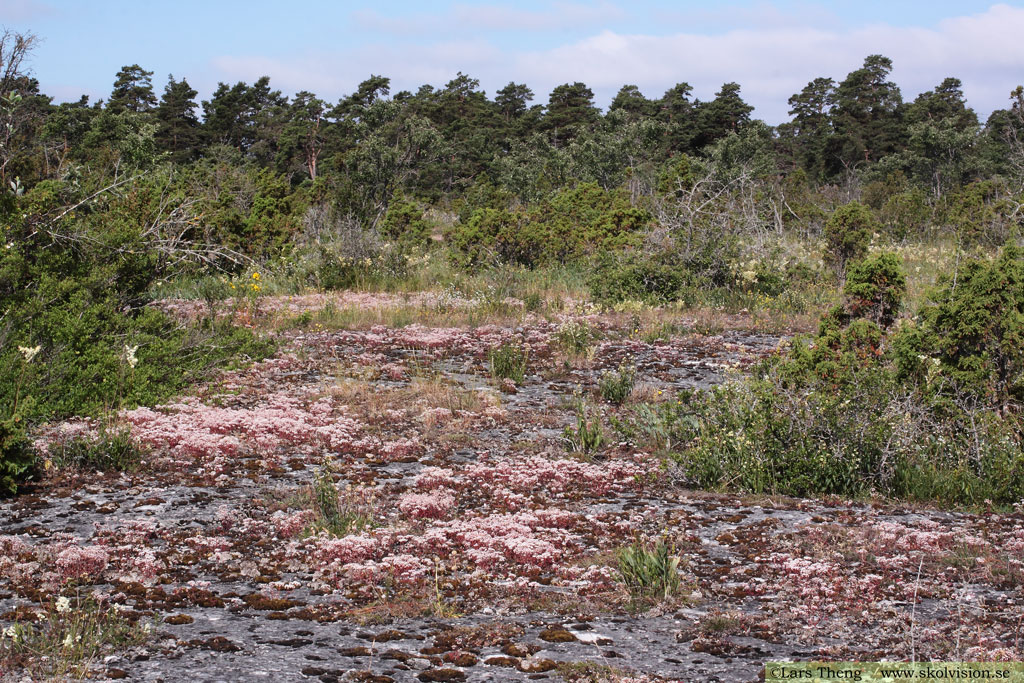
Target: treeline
(249, 149)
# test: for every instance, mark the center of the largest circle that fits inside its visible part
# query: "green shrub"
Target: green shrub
(848, 235)
(842, 418)
(574, 336)
(508, 361)
(983, 212)
(875, 288)
(615, 386)
(16, 457)
(907, 214)
(251, 210)
(84, 309)
(587, 437)
(649, 573)
(112, 450)
(404, 224)
(570, 224)
(975, 326)
(615, 280)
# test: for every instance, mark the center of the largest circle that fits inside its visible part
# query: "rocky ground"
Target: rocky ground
(470, 541)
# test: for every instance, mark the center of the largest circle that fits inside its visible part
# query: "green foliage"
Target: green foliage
(404, 224)
(848, 234)
(862, 433)
(860, 412)
(635, 278)
(572, 223)
(16, 457)
(112, 450)
(649, 572)
(875, 288)
(906, 214)
(982, 212)
(335, 513)
(587, 437)
(253, 211)
(574, 336)
(77, 291)
(616, 386)
(976, 326)
(508, 361)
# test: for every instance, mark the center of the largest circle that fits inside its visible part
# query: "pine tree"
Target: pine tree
(133, 90)
(570, 110)
(179, 131)
(867, 115)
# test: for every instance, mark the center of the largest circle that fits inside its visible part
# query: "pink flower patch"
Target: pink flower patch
(350, 549)
(74, 562)
(433, 505)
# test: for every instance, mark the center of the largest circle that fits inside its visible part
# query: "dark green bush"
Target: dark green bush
(848, 235)
(16, 457)
(634, 278)
(571, 224)
(857, 410)
(975, 326)
(984, 212)
(875, 288)
(906, 214)
(864, 434)
(404, 224)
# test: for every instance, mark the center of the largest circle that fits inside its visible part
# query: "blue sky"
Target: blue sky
(772, 49)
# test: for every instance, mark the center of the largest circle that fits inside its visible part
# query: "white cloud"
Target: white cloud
(770, 63)
(759, 15)
(464, 17)
(14, 11)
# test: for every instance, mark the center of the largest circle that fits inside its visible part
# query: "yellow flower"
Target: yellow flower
(255, 276)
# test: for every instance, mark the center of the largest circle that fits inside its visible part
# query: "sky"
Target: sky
(772, 49)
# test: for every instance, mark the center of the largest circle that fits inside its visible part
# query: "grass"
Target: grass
(649, 573)
(575, 337)
(546, 291)
(587, 437)
(616, 386)
(338, 513)
(112, 450)
(68, 638)
(508, 361)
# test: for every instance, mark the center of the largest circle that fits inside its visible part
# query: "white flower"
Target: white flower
(11, 632)
(29, 353)
(63, 604)
(68, 640)
(129, 355)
